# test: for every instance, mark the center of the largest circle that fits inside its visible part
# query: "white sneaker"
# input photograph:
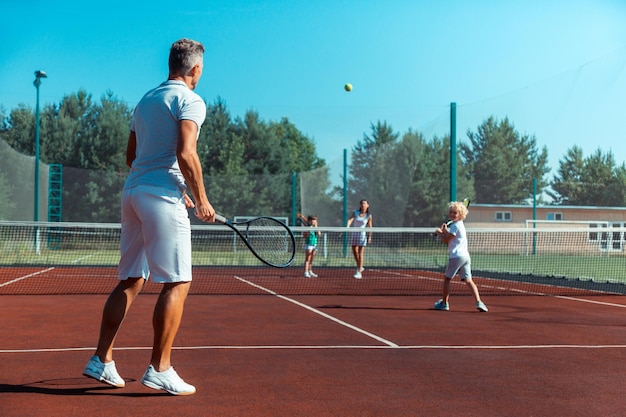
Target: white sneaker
(103, 372)
(312, 274)
(358, 275)
(168, 381)
(481, 307)
(307, 274)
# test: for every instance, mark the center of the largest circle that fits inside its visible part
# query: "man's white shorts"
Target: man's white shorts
(156, 235)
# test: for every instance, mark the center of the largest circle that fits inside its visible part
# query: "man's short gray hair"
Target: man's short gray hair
(184, 55)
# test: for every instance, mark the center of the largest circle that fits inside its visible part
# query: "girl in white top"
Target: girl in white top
(453, 233)
(360, 218)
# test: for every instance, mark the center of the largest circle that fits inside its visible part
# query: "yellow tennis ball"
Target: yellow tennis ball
(348, 87)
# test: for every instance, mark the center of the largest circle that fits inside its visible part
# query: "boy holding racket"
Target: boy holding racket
(454, 235)
(310, 246)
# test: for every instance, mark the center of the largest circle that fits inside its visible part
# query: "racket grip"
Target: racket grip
(220, 218)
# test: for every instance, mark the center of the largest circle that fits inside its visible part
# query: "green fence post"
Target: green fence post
(452, 151)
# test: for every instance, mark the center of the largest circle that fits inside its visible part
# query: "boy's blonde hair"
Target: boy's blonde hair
(460, 208)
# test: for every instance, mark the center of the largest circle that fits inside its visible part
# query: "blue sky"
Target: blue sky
(556, 68)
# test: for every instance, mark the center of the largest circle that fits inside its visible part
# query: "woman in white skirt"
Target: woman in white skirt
(361, 219)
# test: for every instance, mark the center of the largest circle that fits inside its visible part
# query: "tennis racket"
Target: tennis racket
(269, 239)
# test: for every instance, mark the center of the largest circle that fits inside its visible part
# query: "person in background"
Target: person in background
(360, 219)
(155, 240)
(454, 235)
(310, 246)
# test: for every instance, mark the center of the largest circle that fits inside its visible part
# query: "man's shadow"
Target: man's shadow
(73, 386)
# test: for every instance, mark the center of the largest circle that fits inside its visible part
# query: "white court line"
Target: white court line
(336, 320)
(328, 347)
(584, 300)
(26, 276)
(522, 292)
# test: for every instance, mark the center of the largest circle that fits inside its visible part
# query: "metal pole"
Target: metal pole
(534, 215)
(345, 200)
(453, 151)
(38, 76)
(36, 214)
(294, 191)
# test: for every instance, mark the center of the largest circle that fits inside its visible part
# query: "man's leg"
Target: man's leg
(101, 366)
(168, 313)
(113, 314)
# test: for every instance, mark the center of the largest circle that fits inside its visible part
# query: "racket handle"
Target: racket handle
(220, 218)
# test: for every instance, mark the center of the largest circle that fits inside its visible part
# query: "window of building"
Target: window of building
(617, 238)
(595, 236)
(554, 216)
(504, 216)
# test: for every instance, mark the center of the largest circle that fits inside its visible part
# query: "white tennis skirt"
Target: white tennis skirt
(358, 239)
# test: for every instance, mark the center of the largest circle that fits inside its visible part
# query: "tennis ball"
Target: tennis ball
(348, 87)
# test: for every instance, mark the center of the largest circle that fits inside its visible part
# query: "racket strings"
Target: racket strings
(271, 240)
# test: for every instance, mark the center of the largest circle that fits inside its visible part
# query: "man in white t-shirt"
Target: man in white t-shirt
(156, 233)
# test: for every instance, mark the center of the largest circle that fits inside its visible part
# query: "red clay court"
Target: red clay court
(269, 353)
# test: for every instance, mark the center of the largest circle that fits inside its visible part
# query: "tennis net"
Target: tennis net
(81, 258)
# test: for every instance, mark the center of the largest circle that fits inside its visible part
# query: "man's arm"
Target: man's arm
(190, 166)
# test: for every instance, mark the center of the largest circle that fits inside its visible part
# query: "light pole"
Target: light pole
(38, 76)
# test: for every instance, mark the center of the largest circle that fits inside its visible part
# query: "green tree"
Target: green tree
(106, 134)
(603, 186)
(416, 163)
(215, 137)
(407, 182)
(67, 126)
(430, 187)
(248, 163)
(18, 130)
(504, 163)
(222, 154)
(373, 174)
(89, 139)
(592, 181)
(567, 185)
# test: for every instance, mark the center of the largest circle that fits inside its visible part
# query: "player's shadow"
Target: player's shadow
(71, 387)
